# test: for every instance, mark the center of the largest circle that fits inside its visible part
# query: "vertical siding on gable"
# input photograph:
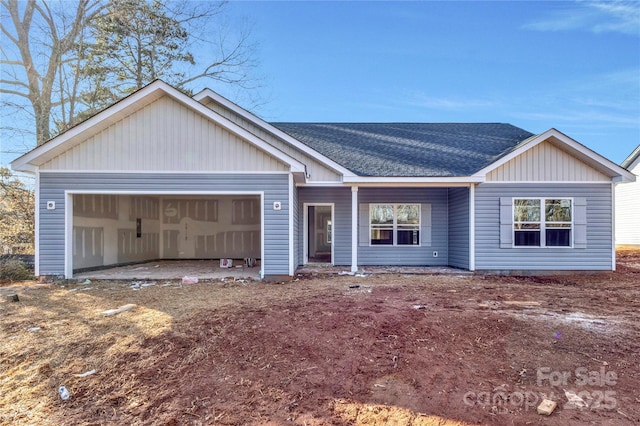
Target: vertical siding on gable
(596, 256)
(409, 255)
(165, 135)
(341, 197)
(545, 162)
(628, 211)
(274, 186)
(459, 227)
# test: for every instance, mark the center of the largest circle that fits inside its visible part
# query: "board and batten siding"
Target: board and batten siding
(421, 255)
(459, 227)
(317, 172)
(341, 199)
(597, 255)
(53, 186)
(165, 136)
(628, 210)
(546, 162)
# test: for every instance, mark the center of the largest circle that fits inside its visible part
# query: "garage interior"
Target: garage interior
(112, 230)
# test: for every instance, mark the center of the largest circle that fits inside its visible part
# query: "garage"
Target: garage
(122, 229)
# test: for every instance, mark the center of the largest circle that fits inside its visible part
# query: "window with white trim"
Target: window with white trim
(542, 222)
(394, 224)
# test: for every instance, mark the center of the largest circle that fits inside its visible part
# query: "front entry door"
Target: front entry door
(319, 234)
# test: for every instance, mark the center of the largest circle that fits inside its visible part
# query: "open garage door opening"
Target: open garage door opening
(111, 230)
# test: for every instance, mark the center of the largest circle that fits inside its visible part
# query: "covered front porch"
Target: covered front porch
(360, 226)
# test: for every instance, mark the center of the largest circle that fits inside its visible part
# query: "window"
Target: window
(394, 224)
(542, 222)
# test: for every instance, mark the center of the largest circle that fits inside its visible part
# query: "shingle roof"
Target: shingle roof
(409, 149)
(631, 158)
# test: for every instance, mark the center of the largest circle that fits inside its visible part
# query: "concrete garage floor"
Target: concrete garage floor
(172, 269)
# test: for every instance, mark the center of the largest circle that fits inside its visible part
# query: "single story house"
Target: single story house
(161, 175)
(628, 204)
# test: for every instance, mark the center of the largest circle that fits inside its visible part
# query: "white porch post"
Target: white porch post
(472, 227)
(354, 228)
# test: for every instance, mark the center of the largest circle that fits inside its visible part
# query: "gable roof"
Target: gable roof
(576, 149)
(134, 102)
(360, 152)
(628, 162)
(409, 149)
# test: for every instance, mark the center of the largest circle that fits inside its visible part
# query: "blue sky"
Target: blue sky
(572, 65)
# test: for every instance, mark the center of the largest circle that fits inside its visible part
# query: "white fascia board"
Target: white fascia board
(414, 181)
(208, 93)
(583, 153)
(154, 91)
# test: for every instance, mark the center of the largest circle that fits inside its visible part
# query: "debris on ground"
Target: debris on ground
(574, 401)
(116, 311)
(319, 353)
(189, 280)
(86, 374)
(546, 407)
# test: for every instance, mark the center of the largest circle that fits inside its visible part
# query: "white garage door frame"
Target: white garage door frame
(68, 217)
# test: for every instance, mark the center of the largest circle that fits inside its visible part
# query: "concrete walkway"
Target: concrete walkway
(320, 269)
(172, 269)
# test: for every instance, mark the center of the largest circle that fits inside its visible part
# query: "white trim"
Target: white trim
(545, 182)
(291, 209)
(613, 226)
(321, 183)
(68, 235)
(68, 217)
(262, 260)
(168, 172)
(543, 222)
(37, 225)
(208, 93)
(417, 181)
(354, 229)
(143, 192)
(395, 225)
(151, 92)
(579, 151)
(472, 228)
(305, 235)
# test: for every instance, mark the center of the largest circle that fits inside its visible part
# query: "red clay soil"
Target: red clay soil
(384, 349)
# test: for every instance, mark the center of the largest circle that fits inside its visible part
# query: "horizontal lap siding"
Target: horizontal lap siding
(341, 197)
(597, 255)
(459, 227)
(408, 255)
(274, 186)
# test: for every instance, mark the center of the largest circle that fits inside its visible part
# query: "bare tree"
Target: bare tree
(38, 30)
(67, 63)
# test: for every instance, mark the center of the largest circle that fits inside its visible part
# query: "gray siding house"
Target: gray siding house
(161, 175)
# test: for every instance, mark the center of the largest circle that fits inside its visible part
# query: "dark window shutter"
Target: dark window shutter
(363, 224)
(580, 222)
(425, 225)
(506, 222)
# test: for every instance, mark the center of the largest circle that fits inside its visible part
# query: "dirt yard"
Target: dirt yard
(379, 349)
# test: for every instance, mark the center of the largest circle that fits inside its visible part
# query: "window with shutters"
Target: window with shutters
(542, 222)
